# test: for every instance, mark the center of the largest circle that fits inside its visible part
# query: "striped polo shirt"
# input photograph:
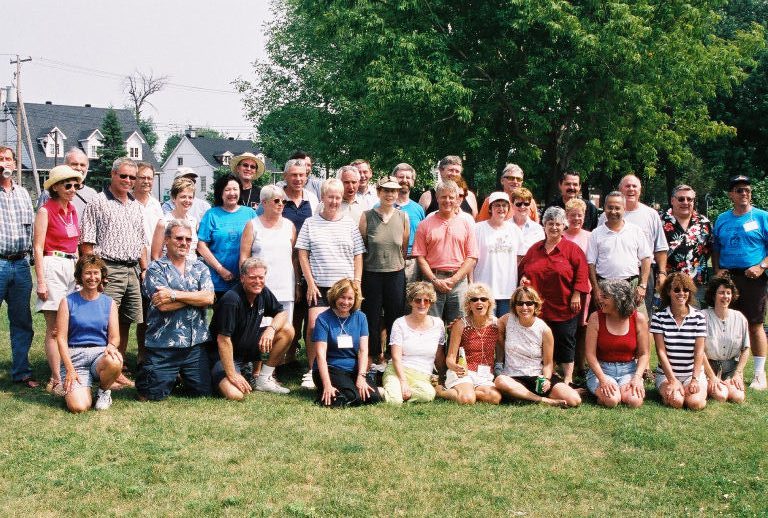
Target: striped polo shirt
(679, 341)
(332, 247)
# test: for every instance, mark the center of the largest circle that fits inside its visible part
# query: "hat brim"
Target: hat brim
(260, 168)
(50, 182)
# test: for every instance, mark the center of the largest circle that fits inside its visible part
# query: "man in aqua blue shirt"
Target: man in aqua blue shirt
(741, 248)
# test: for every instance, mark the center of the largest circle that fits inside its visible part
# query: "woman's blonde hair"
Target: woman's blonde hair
(337, 290)
(478, 289)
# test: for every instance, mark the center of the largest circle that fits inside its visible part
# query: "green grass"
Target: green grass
(281, 455)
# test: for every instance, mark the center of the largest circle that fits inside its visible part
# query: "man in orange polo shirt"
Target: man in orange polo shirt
(511, 178)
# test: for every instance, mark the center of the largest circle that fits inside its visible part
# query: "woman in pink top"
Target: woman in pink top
(56, 234)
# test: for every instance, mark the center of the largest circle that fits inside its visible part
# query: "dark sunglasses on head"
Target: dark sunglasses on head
(123, 176)
(478, 299)
(522, 204)
(528, 303)
(77, 186)
(679, 289)
(181, 239)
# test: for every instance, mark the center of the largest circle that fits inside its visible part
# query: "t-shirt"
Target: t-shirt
(221, 231)
(234, 317)
(617, 255)
(250, 197)
(332, 247)
(742, 241)
(152, 212)
(679, 341)
(532, 234)
(329, 326)
(445, 243)
(418, 347)
(726, 339)
(497, 258)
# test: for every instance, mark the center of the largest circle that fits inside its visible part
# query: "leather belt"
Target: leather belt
(13, 257)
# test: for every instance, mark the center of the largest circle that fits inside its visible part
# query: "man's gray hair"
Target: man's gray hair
(74, 151)
(403, 166)
(509, 168)
(447, 185)
(269, 192)
(622, 294)
(616, 194)
(348, 169)
(175, 223)
(251, 263)
(295, 162)
(555, 214)
(683, 187)
(119, 162)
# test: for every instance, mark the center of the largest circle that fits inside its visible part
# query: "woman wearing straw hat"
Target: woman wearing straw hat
(56, 234)
(248, 167)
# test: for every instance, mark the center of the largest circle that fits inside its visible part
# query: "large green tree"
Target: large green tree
(112, 148)
(601, 87)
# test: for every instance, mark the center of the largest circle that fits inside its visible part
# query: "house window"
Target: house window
(225, 160)
(134, 152)
(93, 151)
(180, 161)
(203, 183)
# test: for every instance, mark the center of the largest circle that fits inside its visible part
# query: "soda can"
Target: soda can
(540, 380)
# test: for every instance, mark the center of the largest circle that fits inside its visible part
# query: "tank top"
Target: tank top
(56, 238)
(616, 348)
(274, 246)
(384, 242)
(433, 205)
(523, 347)
(88, 320)
(479, 344)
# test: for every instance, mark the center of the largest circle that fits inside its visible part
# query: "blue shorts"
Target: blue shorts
(218, 373)
(619, 373)
(84, 359)
(161, 367)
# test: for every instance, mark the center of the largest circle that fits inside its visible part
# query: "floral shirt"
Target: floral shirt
(689, 249)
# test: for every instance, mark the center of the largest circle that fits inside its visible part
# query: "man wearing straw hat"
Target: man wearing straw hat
(248, 167)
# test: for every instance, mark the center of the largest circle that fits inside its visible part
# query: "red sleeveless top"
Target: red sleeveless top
(616, 348)
(56, 238)
(479, 344)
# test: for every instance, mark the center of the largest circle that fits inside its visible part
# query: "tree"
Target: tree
(112, 148)
(139, 87)
(600, 87)
(147, 127)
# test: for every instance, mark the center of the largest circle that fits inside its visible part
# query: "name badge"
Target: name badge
(484, 371)
(750, 225)
(344, 342)
(71, 230)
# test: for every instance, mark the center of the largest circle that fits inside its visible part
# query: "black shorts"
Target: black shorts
(529, 382)
(160, 367)
(752, 296)
(564, 334)
(322, 300)
(344, 382)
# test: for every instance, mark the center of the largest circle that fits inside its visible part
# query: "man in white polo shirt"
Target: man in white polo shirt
(619, 249)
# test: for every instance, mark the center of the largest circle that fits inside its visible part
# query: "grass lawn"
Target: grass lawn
(281, 455)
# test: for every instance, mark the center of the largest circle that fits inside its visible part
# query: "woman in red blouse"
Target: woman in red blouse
(557, 269)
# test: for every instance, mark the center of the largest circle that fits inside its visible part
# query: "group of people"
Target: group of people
(396, 300)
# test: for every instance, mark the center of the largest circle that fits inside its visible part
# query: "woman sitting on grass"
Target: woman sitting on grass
(87, 331)
(679, 331)
(727, 344)
(527, 345)
(340, 338)
(617, 347)
(415, 341)
(477, 334)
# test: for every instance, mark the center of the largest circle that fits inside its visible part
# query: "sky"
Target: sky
(81, 50)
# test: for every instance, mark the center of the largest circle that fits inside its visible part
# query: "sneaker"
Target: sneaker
(758, 382)
(307, 382)
(103, 400)
(269, 384)
(253, 381)
(379, 367)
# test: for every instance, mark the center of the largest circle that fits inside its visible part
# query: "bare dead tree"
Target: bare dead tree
(139, 87)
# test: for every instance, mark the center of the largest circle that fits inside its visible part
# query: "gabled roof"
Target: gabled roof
(71, 120)
(212, 149)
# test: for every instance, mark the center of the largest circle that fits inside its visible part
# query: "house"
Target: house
(205, 155)
(55, 129)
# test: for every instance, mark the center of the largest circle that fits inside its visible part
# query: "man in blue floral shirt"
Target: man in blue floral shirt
(180, 291)
(689, 235)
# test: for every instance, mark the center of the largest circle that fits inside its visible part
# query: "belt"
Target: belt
(628, 279)
(737, 271)
(65, 255)
(129, 264)
(13, 257)
(444, 272)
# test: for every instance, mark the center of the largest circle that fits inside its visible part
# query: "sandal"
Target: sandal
(29, 381)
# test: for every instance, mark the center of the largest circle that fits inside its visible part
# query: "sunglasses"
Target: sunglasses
(478, 299)
(528, 303)
(123, 176)
(77, 186)
(522, 204)
(516, 178)
(182, 239)
(422, 300)
(249, 166)
(682, 199)
(278, 201)
(743, 190)
(678, 290)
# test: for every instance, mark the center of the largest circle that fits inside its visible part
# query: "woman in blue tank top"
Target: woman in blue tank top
(87, 331)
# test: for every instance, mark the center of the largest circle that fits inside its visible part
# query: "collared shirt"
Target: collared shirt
(153, 213)
(650, 223)
(307, 207)
(556, 276)
(368, 198)
(532, 234)
(115, 228)
(445, 243)
(689, 248)
(81, 199)
(185, 326)
(16, 218)
(617, 255)
(679, 340)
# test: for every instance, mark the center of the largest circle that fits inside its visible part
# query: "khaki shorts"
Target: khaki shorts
(123, 287)
(60, 280)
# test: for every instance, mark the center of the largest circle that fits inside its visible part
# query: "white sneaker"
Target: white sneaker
(758, 382)
(307, 382)
(379, 367)
(269, 384)
(103, 400)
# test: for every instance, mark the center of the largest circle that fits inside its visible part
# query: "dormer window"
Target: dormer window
(225, 159)
(93, 151)
(134, 152)
(53, 143)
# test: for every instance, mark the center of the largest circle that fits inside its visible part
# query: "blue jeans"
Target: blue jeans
(619, 373)
(15, 289)
(502, 307)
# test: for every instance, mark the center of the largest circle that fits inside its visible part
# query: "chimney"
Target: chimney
(231, 138)
(9, 94)
(88, 105)
(48, 102)
(191, 133)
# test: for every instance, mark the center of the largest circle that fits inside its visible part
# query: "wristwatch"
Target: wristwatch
(644, 286)
(764, 265)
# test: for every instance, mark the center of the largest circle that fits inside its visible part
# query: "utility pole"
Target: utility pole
(18, 61)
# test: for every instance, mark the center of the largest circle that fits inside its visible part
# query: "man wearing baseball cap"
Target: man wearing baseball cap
(199, 206)
(248, 167)
(741, 247)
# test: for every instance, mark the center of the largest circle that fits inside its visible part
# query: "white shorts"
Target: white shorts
(60, 280)
(452, 379)
(661, 378)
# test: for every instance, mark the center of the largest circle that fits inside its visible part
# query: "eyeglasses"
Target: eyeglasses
(145, 178)
(679, 289)
(278, 201)
(528, 303)
(123, 176)
(743, 190)
(522, 204)
(422, 300)
(478, 299)
(182, 239)
(249, 166)
(515, 178)
(683, 199)
(77, 186)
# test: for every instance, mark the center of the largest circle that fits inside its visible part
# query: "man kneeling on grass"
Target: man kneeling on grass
(180, 290)
(240, 338)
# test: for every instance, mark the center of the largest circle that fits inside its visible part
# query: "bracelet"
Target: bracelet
(644, 286)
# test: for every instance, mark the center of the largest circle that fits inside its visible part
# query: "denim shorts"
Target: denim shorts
(619, 372)
(725, 368)
(84, 359)
(160, 368)
(218, 373)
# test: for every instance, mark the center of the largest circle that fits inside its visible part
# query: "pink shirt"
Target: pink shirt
(63, 231)
(581, 239)
(445, 243)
